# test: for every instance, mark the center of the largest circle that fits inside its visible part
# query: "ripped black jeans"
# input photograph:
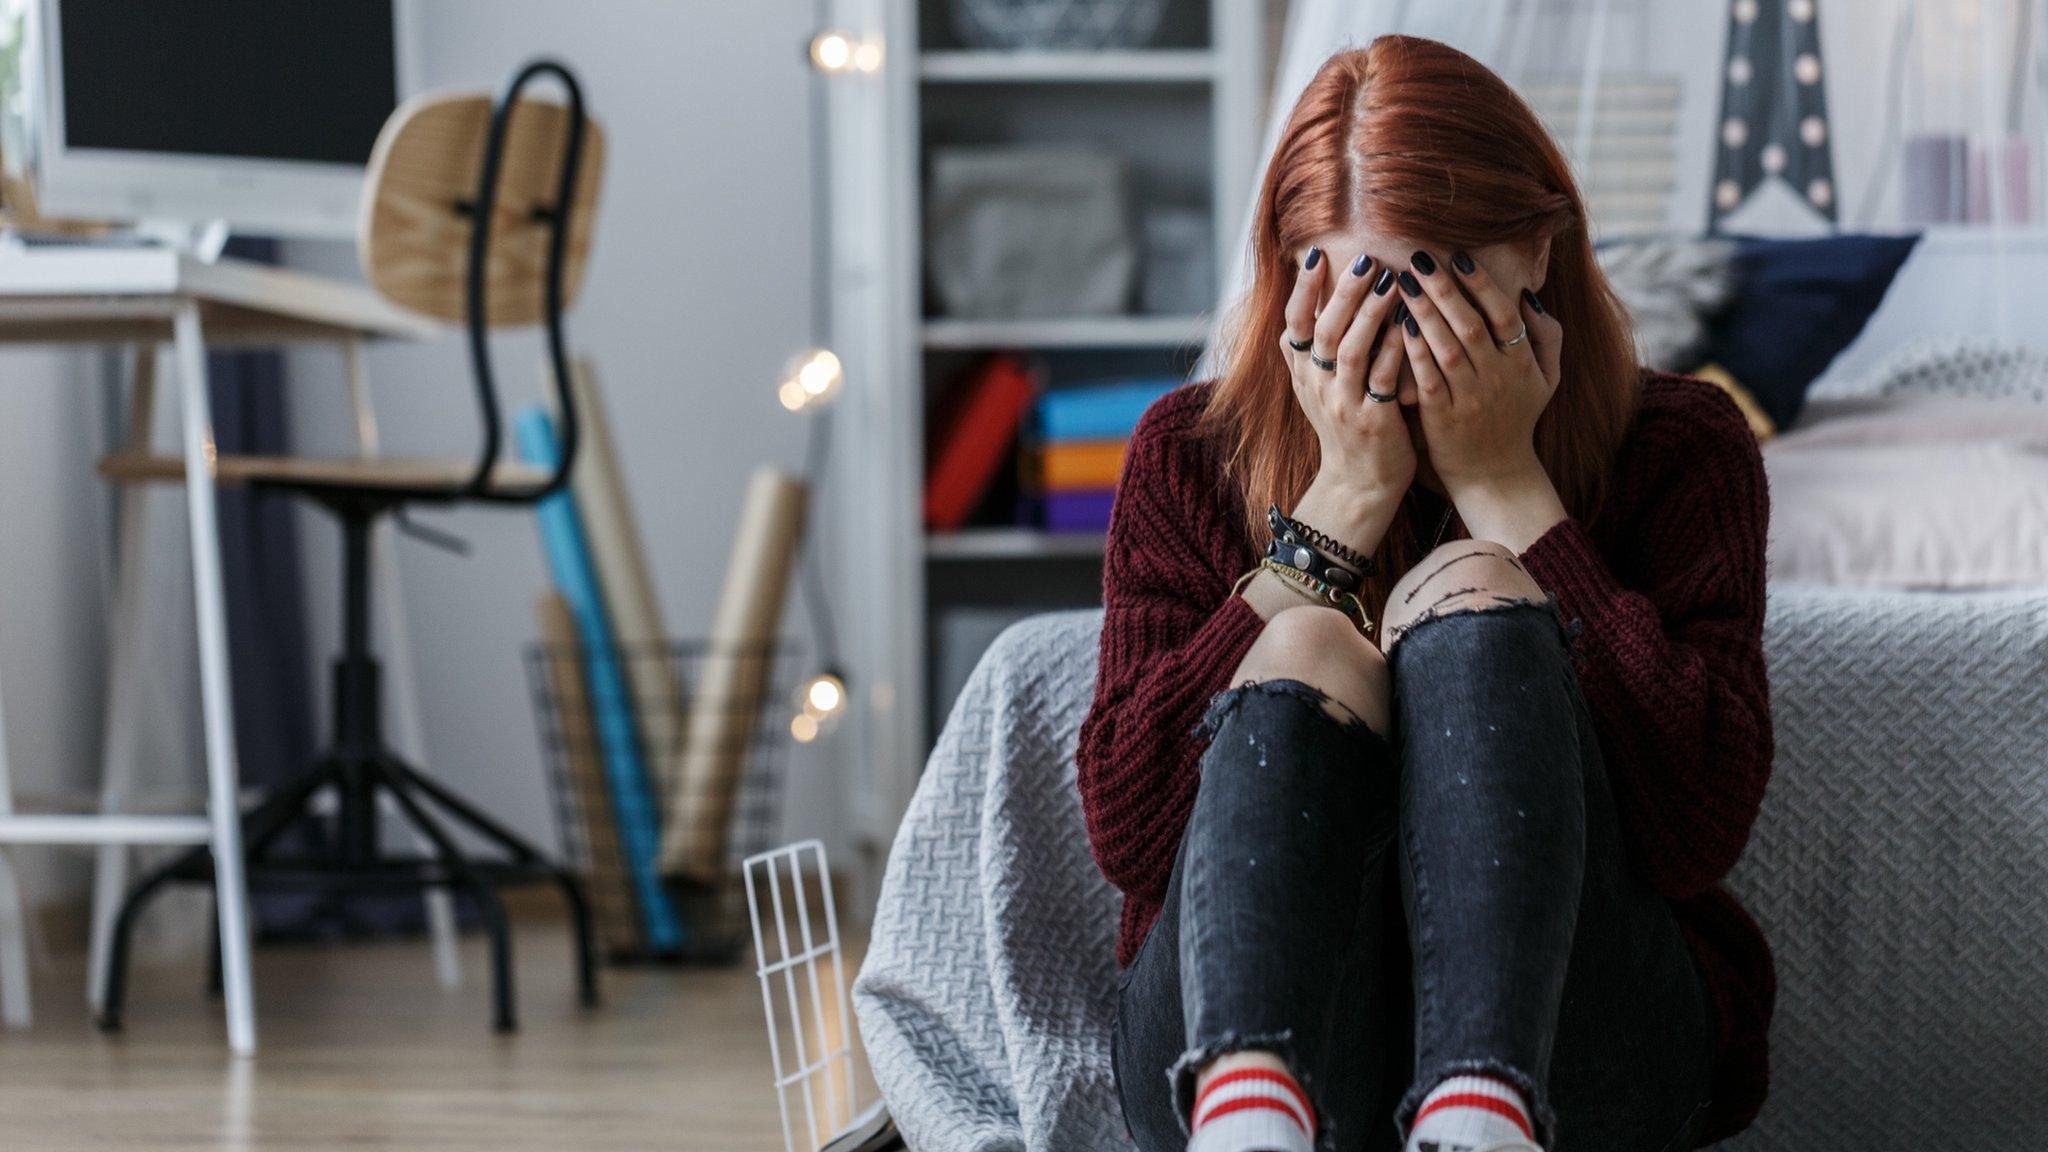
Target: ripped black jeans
(1384, 914)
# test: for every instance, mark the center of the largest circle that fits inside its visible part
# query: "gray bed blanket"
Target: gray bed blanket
(1900, 870)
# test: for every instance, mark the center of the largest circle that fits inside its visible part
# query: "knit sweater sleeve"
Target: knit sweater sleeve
(1171, 635)
(1671, 661)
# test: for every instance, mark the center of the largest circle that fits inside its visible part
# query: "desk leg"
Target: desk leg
(215, 691)
(403, 687)
(14, 994)
(117, 733)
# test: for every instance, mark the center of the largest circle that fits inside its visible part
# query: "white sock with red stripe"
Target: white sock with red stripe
(1252, 1110)
(1466, 1113)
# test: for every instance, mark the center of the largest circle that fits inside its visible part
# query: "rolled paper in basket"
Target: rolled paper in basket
(732, 676)
(582, 760)
(628, 585)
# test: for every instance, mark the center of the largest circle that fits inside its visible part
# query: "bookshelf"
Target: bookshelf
(1185, 111)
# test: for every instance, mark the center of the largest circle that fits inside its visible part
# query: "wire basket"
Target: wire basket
(616, 741)
(1015, 24)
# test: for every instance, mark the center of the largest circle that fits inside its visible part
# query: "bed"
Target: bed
(1899, 868)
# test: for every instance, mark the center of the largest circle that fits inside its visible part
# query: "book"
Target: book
(1078, 511)
(978, 424)
(1098, 411)
(732, 679)
(1080, 465)
(568, 555)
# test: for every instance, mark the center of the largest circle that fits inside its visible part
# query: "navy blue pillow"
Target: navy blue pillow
(1797, 303)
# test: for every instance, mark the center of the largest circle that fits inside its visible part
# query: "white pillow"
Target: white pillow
(1914, 491)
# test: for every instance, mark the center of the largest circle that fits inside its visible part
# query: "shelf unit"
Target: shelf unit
(1185, 111)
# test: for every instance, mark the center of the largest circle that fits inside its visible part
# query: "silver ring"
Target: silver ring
(1316, 358)
(1519, 337)
(1376, 398)
(1300, 345)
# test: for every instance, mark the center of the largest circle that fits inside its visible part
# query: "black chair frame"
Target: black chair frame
(358, 765)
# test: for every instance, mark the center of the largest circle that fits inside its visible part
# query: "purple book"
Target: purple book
(1078, 511)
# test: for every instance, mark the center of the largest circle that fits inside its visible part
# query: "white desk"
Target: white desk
(144, 297)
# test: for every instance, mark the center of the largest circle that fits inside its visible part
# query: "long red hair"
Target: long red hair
(1411, 138)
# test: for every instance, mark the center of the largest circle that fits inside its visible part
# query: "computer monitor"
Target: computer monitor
(259, 113)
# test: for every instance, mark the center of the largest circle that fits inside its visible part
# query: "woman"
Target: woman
(1457, 883)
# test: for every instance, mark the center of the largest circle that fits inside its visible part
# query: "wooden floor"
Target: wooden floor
(360, 1048)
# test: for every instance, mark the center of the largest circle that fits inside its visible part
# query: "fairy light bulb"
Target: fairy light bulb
(811, 378)
(819, 373)
(867, 56)
(832, 51)
(824, 695)
(803, 727)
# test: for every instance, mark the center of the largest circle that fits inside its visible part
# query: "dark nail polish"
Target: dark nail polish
(1386, 281)
(1401, 314)
(1409, 323)
(1315, 257)
(1410, 284)
(1533, 301)
(1462, 261)
(1422, 263)
(1359, 265)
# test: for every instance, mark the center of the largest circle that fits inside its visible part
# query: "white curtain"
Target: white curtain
(1935, 116)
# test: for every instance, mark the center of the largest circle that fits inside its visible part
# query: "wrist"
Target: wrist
(1356, 516)
(1512, 507)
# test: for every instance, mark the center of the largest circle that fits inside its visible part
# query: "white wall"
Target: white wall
(695, 295)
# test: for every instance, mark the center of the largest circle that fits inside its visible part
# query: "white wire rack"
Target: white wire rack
(812, 1049)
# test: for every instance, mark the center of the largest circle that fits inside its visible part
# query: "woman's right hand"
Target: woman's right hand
(1368, 458)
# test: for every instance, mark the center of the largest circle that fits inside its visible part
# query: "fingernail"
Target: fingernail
(1533, 301)
(1401, 314)
(1462, 261)
(1408, 322)
(1315, 257)
(1359, 265)
(1410, 284)
(1386, 281)
(1423, 264)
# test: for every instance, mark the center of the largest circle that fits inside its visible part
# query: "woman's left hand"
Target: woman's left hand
(1483, 383)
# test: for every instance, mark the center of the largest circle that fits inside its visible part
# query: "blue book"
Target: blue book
(611, 703)
(1098, 411)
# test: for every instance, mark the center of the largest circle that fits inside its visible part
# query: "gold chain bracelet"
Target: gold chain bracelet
(1322, 592)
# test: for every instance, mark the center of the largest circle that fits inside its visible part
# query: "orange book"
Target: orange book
(1081, 465)
(973, 438)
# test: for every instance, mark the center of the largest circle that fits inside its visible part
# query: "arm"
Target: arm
(1675, 670)
(1171, 634)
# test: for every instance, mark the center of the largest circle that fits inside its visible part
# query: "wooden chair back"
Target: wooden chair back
(414, 233)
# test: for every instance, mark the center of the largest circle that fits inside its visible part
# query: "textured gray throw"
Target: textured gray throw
(1900, 871)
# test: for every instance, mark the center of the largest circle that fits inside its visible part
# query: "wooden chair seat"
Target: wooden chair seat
(371, 473)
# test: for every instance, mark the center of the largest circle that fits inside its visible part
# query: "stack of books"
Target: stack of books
(1081, 435)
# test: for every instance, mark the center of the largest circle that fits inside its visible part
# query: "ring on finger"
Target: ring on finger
(1300, 345)
(1317, 359)
(1519, 337)
(1380, 398)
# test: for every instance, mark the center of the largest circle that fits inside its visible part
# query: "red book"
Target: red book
(973, 437)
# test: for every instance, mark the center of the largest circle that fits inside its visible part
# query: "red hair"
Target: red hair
(1413, 139)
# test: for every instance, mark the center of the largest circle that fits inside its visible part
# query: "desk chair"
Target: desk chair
(479, 213)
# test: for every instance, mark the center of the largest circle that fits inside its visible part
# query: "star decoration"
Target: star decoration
(1774, 109)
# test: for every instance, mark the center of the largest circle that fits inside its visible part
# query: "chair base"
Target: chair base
(360, 779)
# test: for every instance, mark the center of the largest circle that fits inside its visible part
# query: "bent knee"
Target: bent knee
(1463, 575)
(1322, 648)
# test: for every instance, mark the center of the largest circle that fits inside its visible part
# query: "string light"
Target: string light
(811, 379)
(832, 51)
(837, 52)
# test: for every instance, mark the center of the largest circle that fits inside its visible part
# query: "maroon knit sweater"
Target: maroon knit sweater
(1668, 587)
